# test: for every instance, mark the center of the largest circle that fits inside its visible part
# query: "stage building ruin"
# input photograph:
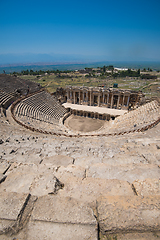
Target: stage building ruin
(100, 96)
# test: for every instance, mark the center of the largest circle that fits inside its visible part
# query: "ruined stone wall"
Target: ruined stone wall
(98, 96)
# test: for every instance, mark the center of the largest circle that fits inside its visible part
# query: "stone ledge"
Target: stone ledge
(122, 214)
(88, 189)
(126, 172)
(54, 231)
(11, 205)
(15, 211)
(63, 210)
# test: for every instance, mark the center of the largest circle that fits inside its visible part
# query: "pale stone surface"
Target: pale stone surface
(100, 110)
(86, 161)
(4, 165)
(63, 210)
(29, 178)
(89, 189)
(124, 172)
(127, 214)
(58, 231)
(123, 158)
(132, 236)
(147, 187)
(70, 171)
(15, 227)
(11, 205)
(58, 160)
(17, 182)
(139, 236)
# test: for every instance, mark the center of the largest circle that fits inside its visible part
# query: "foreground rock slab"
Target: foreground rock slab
(11, 205)
(126, 172)
(147, 187)
(118, 214)
(62, 218)
(15, 210)
(58, 160)
(89, 189)
(30, 178)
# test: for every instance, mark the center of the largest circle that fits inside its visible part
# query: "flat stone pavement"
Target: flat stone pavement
(100, 110)
(79, 188)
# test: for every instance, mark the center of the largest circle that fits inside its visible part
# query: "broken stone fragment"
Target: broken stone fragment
(63, 218)
(57, 185)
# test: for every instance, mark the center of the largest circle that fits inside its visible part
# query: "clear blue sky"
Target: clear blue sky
(111, 30)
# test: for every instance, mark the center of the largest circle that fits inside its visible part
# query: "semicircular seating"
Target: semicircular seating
(6, 99)
(138, 119)
(40, 111)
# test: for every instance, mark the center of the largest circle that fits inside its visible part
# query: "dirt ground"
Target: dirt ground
(83, 124)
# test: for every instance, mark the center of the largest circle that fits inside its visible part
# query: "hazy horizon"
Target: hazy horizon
(10, 68)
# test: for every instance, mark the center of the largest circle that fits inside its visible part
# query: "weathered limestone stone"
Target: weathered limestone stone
(15, 210)
(70, 171)
(147, 187)
(86, 161)
(132, 236)
(54, 231)
(45, 184)
(35, 179)
(58, 160)
(18, 181)
(123, 158)
(125, 172)
(128, 214)
(89, 189)
(64, 210)
(62, 218)
(4, 166)
(11, 205)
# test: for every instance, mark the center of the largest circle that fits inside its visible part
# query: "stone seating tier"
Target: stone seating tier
(41, 106)
(43, 112)
(6, 99)
(139, 118)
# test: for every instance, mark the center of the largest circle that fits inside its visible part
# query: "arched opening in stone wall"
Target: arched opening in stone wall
(115, 101)
(95, 100)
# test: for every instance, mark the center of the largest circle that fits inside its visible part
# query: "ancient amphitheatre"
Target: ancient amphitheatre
(81, 164)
